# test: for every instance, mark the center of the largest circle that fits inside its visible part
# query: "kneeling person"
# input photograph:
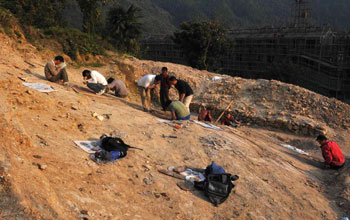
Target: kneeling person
(118, 87)
(97, 82)
(331, 153)
(179, 111)
(55, 70)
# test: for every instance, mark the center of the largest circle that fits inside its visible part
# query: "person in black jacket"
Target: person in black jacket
(184, 89)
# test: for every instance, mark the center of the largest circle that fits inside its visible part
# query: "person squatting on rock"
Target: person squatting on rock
(184, 89)
(164, 88)
(55, 70)
(118, 87)
(146, 84)
(331, 153)
(178, 111)
(95, 81)
(229, 121)
(205, 114)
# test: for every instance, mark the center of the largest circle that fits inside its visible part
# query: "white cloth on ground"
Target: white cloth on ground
(88, 146)
(193, 175)
(39, 87)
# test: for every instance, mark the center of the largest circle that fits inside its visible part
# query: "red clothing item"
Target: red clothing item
(205, 115)
(332, 154)
(226, 121)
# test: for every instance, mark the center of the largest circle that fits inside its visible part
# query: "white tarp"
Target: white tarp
(39, 87)
(163, 120)
(216, 78)
(193, 176)
(294, 149)
(88, 146)
(206, 125)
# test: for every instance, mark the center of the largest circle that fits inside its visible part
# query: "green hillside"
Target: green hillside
(165, 15)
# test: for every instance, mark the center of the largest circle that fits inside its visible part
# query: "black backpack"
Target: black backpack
(218, 187)
(110, 144)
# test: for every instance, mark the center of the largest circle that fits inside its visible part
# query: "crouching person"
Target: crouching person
(230, 121)
(95, 81)
(55, 70)
(331, 153)
(118, 87)
(178, 111)
(146, 84)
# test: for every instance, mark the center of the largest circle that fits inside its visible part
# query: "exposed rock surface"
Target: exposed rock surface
(275, 183)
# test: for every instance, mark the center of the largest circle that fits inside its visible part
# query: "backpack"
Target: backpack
(111, 144)
(218, 187)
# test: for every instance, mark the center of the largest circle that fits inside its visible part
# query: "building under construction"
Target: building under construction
(316, 58)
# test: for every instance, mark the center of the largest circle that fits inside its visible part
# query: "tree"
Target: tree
(91, 10)
(124, 27)
(40, 13)
(204, 43)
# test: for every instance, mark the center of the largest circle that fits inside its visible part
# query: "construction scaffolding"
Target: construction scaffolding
(316, 58)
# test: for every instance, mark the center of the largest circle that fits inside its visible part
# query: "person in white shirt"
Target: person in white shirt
(95, 81)
(146, 84)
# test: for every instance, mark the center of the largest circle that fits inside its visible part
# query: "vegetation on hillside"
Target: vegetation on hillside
(124, 28)
(205, 43)
(44, 19)
(164, 16)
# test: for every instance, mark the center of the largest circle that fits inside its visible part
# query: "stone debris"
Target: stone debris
(98, 116)
(43, 142)
(118, 134)
(265, 103)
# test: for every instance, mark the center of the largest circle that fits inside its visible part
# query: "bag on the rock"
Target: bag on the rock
(218, 187)
(113, 144)
(218, 184)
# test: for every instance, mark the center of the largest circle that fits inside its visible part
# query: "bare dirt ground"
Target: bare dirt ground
(39, 128)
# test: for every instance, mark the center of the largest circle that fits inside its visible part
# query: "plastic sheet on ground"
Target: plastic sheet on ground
(40, 87)
(88, 146)
(193, 176)
(206, 125)
(297, 150)
(216, 78)
(163, 120)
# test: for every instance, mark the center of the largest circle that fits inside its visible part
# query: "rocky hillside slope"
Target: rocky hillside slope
(43, 175)
(256, 102)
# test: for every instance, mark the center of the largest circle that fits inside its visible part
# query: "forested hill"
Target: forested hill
(163, 16)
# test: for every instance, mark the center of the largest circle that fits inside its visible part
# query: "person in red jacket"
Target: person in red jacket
(331, 152)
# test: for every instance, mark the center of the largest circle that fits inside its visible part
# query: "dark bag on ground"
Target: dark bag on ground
(218, 184)
(111, 144)
(218, 187)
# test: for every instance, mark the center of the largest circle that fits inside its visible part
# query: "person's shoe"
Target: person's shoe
(101, 92)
